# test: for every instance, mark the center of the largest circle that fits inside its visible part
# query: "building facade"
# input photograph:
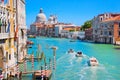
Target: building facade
(7, 44)
(12, 13)
(51, 27)
(21, 29)
(89, 34)
(106, 28)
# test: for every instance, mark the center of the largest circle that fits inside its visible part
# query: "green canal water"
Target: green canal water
(69, 67)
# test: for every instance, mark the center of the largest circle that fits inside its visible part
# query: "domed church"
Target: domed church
(42, 25)
(41, 17)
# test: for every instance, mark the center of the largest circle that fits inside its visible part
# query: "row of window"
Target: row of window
(8, 57)
(106, 33)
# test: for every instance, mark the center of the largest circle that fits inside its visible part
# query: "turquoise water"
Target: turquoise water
(69, 67)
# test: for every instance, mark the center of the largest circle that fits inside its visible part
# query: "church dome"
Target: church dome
(51, 18)
(41, 17)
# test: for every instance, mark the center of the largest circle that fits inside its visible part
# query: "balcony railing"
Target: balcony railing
(4, 35)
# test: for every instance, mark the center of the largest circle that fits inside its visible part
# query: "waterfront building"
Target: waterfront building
(51, 27)
(81, 35)
(89, 34)
(7, 29)
(58, 28)
(106, 28)
(21, 29)
(66, 30)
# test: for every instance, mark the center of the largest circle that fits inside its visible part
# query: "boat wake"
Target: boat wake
(77, 66)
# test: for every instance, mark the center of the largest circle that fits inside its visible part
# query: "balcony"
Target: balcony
(4, 35)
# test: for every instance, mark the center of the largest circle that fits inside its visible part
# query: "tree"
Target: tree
(86, 25)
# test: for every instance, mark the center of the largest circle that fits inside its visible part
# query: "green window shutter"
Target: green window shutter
(0, 23)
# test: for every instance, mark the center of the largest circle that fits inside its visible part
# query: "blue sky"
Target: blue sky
(70, 11)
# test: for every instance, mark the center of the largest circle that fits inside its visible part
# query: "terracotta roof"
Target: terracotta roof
(117, 18)
(70, 28)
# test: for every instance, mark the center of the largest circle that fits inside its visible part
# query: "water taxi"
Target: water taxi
(117, 44)
(72, 40)
(29, 43)
(93, 62)
(31, 36)
(79, 54)
(70, 51)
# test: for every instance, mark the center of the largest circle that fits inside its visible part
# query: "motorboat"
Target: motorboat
(72, 40)
(93, 62)
(79, 54)
(117, 44)
(31, 36)
(29, 43)
(71, 51)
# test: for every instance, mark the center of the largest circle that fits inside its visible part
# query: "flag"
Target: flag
(8, 29)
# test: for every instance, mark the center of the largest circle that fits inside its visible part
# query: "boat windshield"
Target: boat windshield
(93, 60)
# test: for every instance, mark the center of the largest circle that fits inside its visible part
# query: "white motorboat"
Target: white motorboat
(93, 62)
(72, 40)
(79, 54)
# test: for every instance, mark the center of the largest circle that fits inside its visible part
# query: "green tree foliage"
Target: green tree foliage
(86, 25)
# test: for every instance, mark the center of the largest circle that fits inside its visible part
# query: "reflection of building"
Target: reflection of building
(7, 29)
(21, 25)
(106, 28)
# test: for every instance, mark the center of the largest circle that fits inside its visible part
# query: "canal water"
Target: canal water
(69, 67)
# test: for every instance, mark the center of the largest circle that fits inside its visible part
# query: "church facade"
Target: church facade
(42, 26)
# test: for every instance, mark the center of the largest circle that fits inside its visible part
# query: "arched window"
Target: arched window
(22, 33)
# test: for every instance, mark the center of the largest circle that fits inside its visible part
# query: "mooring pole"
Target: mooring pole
(25, 66)
(50, 64)
(32, 62)
(42, 75)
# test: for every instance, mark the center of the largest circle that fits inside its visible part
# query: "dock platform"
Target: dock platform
(45, 74)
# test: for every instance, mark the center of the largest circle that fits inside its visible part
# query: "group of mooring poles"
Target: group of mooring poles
(43, 68)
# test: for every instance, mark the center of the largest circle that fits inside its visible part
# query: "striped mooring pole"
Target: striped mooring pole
(50, 64)
(33, 62)
(25, 66)
(42, 75)
(18, 71)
